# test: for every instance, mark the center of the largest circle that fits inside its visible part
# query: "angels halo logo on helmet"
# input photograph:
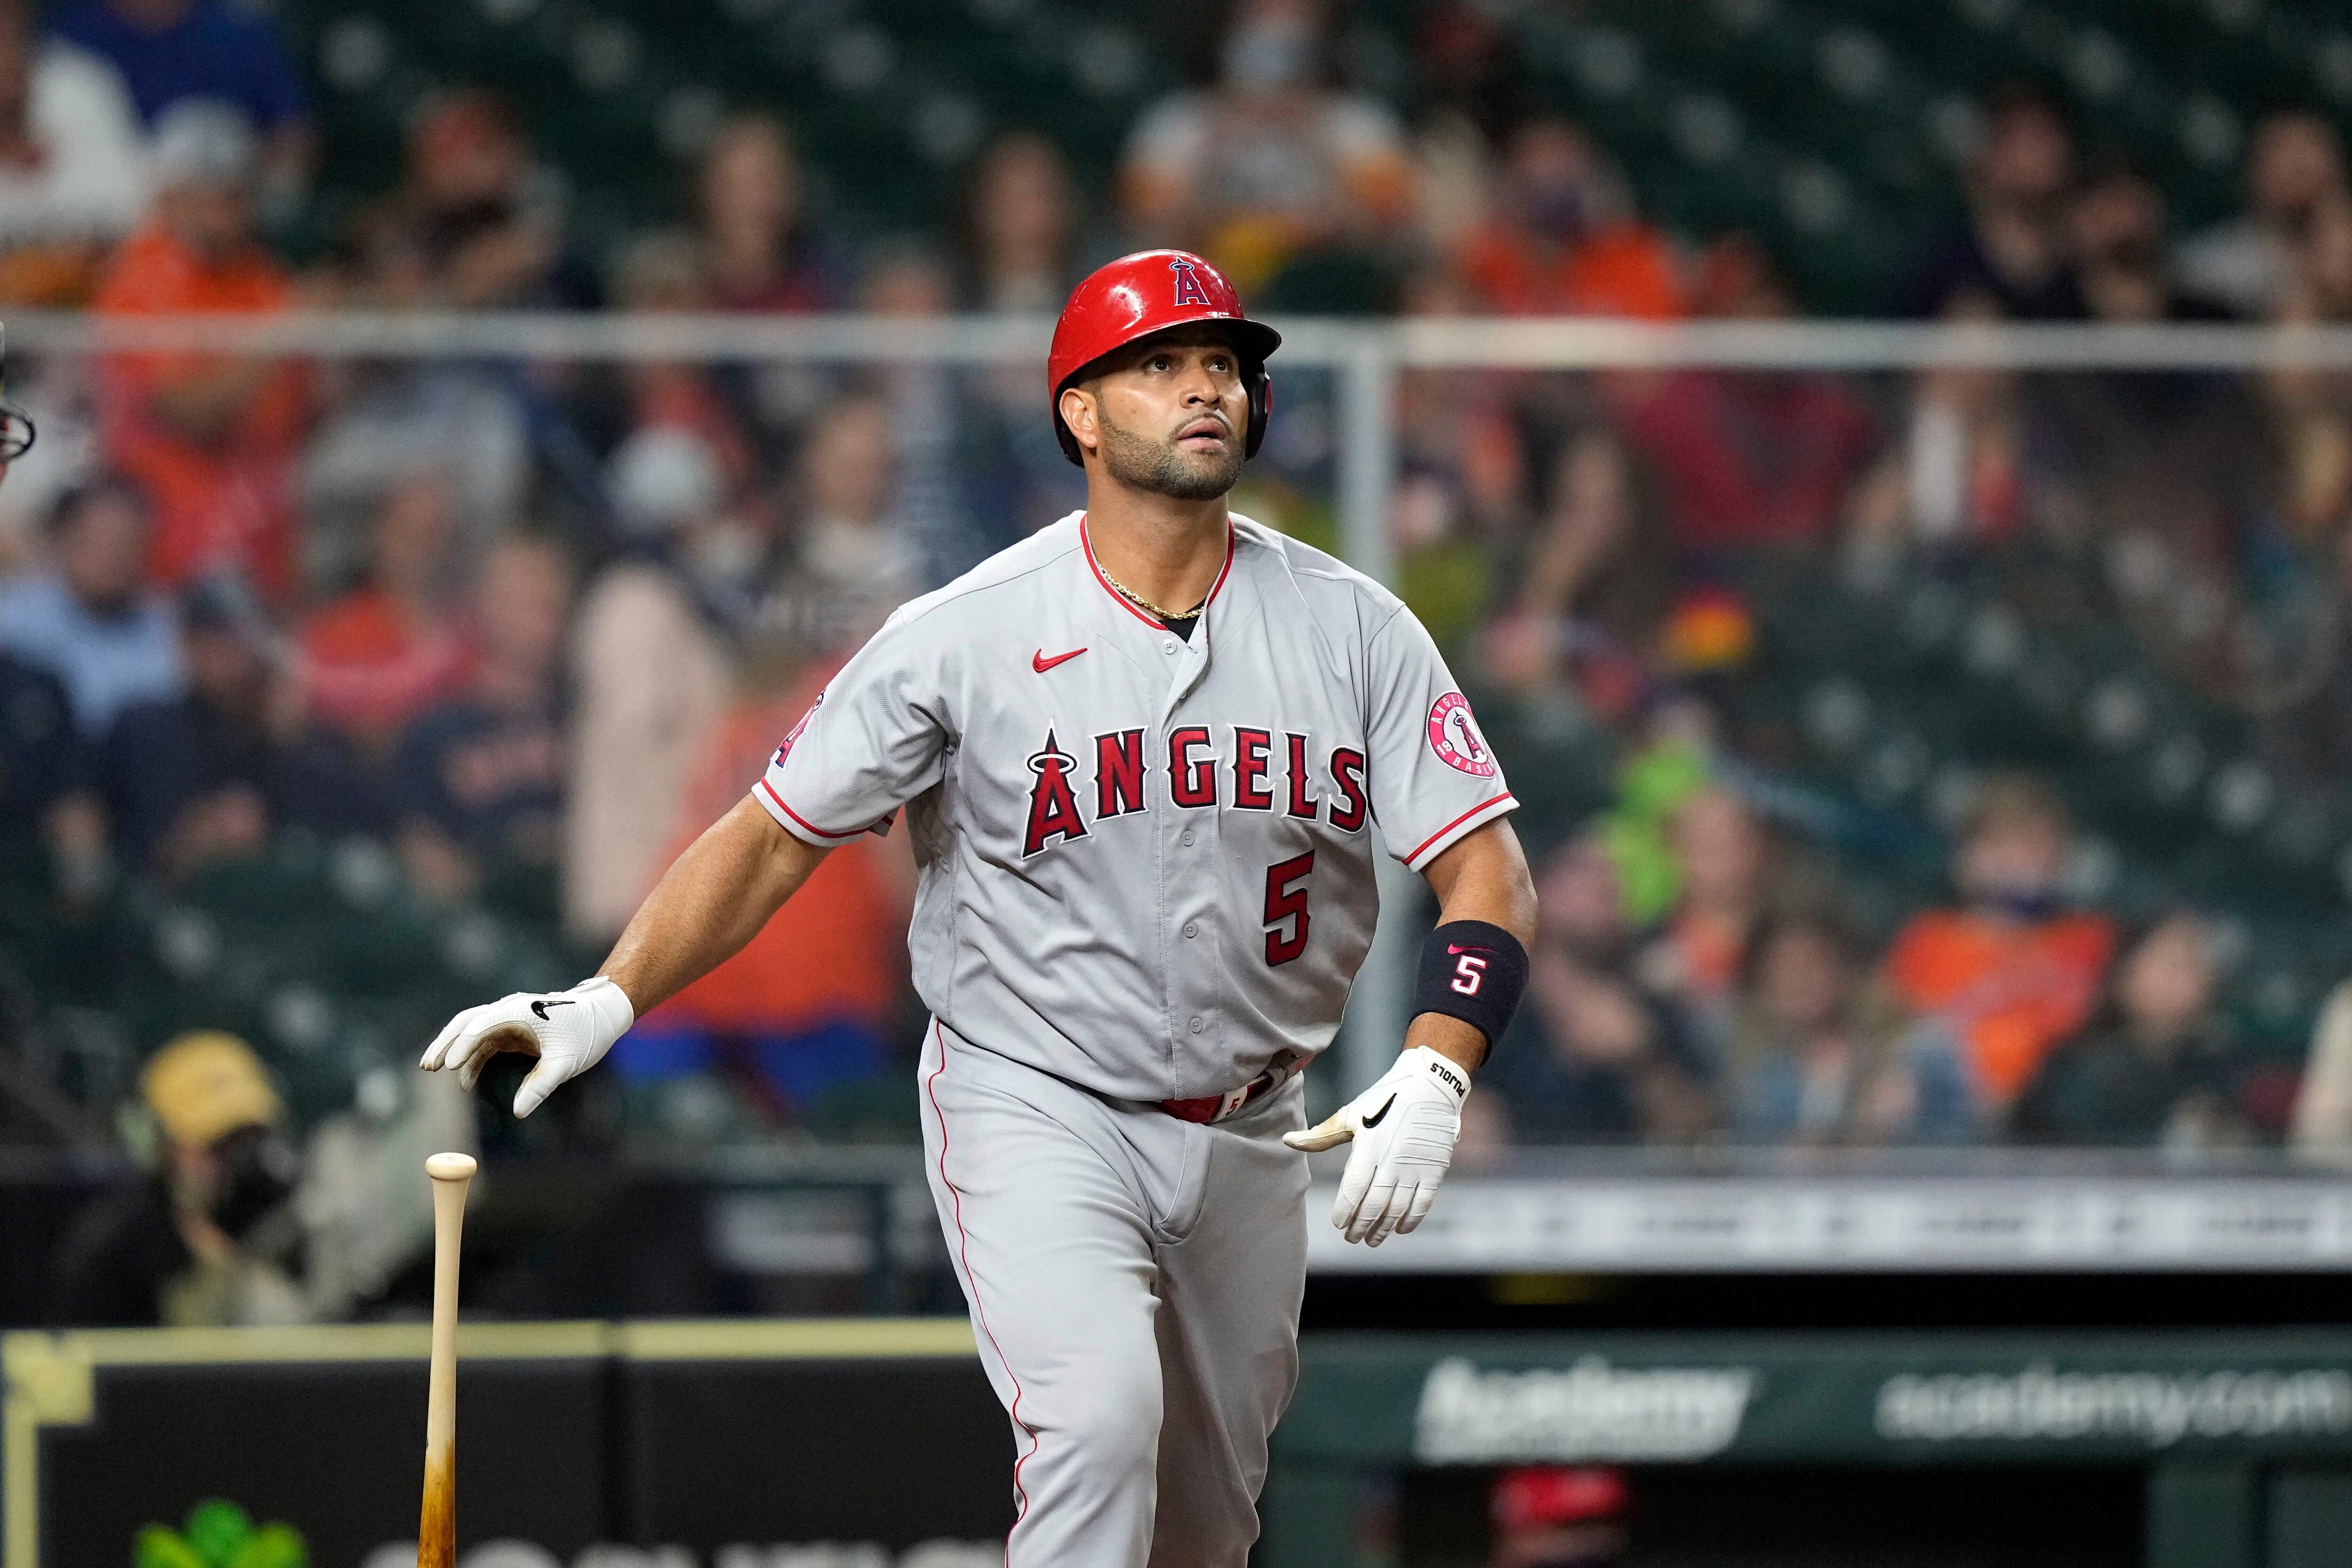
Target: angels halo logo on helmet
(1149, 292)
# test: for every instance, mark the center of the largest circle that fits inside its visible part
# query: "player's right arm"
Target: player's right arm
(1439, 797)
(713, 899)
(874, 740)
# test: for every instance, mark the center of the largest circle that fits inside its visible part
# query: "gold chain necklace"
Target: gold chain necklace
(1140, 602)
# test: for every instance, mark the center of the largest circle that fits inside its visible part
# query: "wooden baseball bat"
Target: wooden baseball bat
(436, 1529)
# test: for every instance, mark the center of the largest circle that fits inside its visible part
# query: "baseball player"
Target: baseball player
(1146, 757)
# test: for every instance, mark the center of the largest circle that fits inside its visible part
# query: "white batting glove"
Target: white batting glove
(569, 1031)
(1403, 1128)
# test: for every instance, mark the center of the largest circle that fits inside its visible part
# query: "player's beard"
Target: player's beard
(1166, 469)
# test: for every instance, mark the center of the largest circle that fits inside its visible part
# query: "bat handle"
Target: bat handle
(437, 1539)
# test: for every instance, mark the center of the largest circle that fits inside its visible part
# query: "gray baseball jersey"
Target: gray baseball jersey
(1147, 861)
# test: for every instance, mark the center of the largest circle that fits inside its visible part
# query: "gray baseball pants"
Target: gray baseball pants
(1134, 1282)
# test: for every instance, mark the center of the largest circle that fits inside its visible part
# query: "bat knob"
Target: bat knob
(450, 1167)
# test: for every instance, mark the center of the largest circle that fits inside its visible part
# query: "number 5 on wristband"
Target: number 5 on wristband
(1469, 973)
(1475, 972)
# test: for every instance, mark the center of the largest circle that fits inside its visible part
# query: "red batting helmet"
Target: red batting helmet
(1149, 292)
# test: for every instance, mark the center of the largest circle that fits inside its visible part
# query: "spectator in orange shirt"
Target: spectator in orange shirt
(809, 1004)
(1563, 239)
(211, 437)
(388, 650)
(2012, 971)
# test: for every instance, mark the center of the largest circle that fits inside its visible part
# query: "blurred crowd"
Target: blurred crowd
(1754, 1008)
(532, 625)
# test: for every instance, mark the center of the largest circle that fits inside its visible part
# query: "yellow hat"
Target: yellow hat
(206, 1084)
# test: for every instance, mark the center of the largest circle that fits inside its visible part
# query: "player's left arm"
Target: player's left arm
(1482, 877)
(1473, 968)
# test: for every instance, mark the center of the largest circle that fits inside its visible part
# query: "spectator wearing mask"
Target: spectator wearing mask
(480, 774)
(2013, 249)
(1270, 162)
(668, 271)
(2294, 175)
(211, 438)
(171, 52)
(1818, 1055)
(1017, 222)
(751, 213)
(211, 1239)
(1563, 239)
(73, 164)
(88, 617)
(210, 774)
(380, 654)
(674, 485)
(2156, 1067)
(1593, 1057)
(2012, 971)
(1747, 459)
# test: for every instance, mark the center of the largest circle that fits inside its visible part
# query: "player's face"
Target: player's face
(1174, 417)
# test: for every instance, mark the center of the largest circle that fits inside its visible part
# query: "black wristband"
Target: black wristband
(1472, 971)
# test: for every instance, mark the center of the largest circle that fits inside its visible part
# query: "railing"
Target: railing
(1365, 361)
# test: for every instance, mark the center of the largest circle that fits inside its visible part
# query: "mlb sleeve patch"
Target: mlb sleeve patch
(1431, 775)
(1453, 735)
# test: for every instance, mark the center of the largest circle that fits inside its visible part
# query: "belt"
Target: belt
(1210, 1108)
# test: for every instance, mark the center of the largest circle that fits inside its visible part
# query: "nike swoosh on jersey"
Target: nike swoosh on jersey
(1042, 664)
(1376, 1117)
(1451, 950)
(541, 1008)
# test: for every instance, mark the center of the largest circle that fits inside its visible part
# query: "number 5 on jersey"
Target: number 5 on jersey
(1285, 900)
